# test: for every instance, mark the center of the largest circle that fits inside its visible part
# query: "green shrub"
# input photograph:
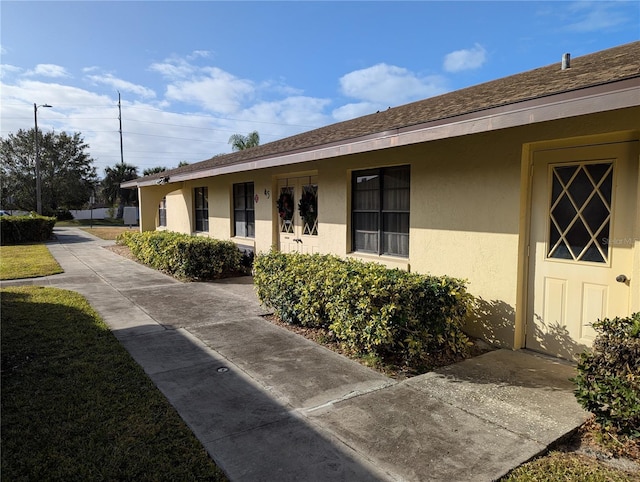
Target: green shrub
(22, 229)
(609, 375)
(185, 256)
(371, 309)
(63, 215)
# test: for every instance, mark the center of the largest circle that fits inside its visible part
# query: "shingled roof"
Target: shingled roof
(600, 68)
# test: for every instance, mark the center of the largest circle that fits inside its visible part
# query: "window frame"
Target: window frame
(162, 213)
(380, 212)
(201, 213)
(248, 210)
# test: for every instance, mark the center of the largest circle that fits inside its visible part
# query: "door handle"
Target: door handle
(297, 240)
(621, 278)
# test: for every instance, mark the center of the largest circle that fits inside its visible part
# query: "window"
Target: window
(162, 212)
(308, 207)
(380, 211)
(201, 196)
(243, 210)
(580, 212)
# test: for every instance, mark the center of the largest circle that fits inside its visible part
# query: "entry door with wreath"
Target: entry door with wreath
(297, 206)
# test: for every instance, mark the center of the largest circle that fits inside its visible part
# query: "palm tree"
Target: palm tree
(113, 193)
(153, 170)
(239, 142)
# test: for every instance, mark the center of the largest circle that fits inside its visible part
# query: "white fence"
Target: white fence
(98, 213)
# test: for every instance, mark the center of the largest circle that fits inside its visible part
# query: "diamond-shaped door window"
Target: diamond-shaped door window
(580, 211)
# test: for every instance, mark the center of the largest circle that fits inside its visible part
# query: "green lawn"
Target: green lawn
(108, 232)
(75, 405)
(27, 261)
(89, 222)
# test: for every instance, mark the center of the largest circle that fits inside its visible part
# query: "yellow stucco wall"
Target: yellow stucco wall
(468, 209)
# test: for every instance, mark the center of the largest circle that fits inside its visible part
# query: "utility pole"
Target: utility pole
(38, 182)
(120, 120)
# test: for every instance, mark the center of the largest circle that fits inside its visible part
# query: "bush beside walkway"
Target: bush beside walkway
(186, 257)
(371, 310)
(24, 229)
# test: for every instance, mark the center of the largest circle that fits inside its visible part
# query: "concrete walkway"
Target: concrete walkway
(270, 405)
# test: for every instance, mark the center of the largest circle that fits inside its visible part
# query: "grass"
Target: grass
(106, 228)
(562, 466)
(588, 455)
(27, 261)
(109, 233)
(89, 222)
(76, 406)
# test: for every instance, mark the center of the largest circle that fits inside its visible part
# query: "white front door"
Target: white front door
(583, 212)
(298, 214)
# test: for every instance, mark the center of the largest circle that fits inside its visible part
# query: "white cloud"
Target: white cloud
(123, 85)
(351, 111)
(385, 85)
(286, 116)
(151, 136)
(158, 131)
(465, 59)
(279, 87)
(595, 16)
(6, 69)
(154, 133)
(213, 89)
(199, 54)
(174, 68)
(48, 70)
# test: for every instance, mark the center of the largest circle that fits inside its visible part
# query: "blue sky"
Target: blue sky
(191, 74)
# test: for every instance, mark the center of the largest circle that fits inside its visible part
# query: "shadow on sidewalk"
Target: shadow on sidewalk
(250, 434)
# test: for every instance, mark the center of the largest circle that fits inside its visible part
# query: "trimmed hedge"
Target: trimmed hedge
(23, 229)
(185, 256)
(609, 375)
(371, 309)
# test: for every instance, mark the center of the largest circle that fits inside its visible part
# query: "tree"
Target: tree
(239, 142)
(66, 171)
(153, 170)
(113, 193)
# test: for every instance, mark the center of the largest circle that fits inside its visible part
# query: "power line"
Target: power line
(173, 137)
(207, 116)
(132, 107)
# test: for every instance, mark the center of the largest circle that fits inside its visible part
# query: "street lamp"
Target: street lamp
(38, 187)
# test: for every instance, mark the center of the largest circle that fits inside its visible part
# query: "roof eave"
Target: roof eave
(590, 100)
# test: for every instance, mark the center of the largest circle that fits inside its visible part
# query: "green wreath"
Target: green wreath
(308, 208)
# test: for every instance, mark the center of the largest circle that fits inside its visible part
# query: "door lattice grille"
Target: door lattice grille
(309, 209)
(580, 212)
(286, 210)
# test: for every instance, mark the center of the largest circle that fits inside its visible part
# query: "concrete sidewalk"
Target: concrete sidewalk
(270, 405)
